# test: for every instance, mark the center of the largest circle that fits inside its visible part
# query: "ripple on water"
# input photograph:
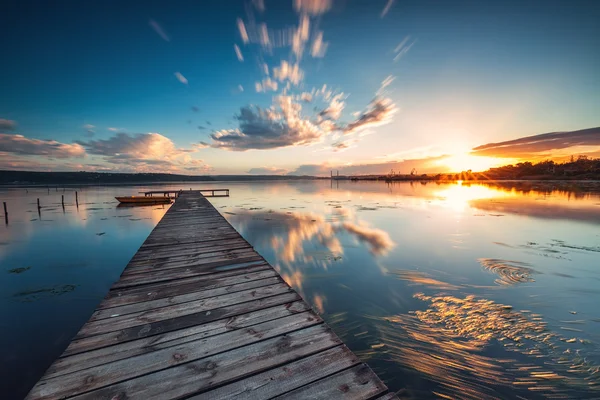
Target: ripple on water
(452, 343)
(509, 272)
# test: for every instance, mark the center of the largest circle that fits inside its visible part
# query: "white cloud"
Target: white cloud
(263, 33)
(403, 48)
(279, 126)
(386, 8)
(242, 29)
(240, 88)
(300, 36)
(287, 71)
(159, 30)
(144, 152)
(312, 7)
(266, 85)
(238, 52)
(386, 82)
(379, 112)
(20, 145)
(319, 47)
(306, 97)
(335, 108)
(181, 78)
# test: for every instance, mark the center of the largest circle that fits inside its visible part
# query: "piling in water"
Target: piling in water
(76, 200)
(5, 213)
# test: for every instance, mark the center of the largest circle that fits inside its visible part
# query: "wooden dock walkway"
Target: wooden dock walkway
(199, 314)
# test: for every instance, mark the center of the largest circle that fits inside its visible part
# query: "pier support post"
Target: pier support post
(5, 213)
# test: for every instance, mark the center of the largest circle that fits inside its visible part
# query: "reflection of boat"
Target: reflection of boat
(143, 200)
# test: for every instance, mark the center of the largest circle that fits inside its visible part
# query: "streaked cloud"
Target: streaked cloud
(259, 4)
(242, 29)
(268, 171)
(238, 52)
(266, 85)
(89, 130)
(159, 30)
(181, 78)
(403, 47)
(335, 107)
(386, 82)
(290, 72)
(319, 47)
(528, 146)
(7, 124)
(240, 88)
(379, 112)
(306, 97)
(113, 129)
(387, 7)
(20, 145)
(312, 7)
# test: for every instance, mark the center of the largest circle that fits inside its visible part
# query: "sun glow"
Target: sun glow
(465, 161)
(459, 196)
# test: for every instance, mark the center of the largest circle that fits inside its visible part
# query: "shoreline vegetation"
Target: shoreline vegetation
(578, 168)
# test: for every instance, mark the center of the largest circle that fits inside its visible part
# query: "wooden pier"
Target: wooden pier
(198, 314)
(175, 193)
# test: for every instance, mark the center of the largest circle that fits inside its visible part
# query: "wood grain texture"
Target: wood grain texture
(198, 313)
(355, 383)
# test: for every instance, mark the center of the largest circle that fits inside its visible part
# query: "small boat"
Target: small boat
(143, 200)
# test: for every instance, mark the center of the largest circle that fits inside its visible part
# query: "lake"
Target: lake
(452, 289)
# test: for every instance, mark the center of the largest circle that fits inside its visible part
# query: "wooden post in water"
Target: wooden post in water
(39, 203)
(62, 201)
(5, 213)
(76, 199)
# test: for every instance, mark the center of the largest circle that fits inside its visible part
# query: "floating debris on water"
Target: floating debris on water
(36, 294)
(19, 270)
(101, 233)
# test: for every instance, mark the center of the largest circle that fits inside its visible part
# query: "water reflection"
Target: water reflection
(452, 342)
(509, 274)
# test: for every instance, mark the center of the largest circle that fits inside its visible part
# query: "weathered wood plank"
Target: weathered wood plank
(178, 310)
(356, 383)
(88, 359)
(389, 396)
(136, 294)
(162, 358)
(192, 377)
(283, 379)
(150, 329)
(182, 298)
(179, 273)
(149, 266)
(182, 252)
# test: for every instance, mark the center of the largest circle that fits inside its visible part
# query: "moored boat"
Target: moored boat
(143, 200)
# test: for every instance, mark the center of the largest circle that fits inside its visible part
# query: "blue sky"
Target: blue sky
(93, 85)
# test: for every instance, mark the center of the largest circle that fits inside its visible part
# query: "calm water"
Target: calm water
(466, 291)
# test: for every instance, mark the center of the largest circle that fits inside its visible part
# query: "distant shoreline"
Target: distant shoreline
(85, 179)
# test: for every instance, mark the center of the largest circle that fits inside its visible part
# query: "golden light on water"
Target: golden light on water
(459, 195)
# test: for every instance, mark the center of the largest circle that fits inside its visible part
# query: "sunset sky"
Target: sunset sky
(301, 87)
